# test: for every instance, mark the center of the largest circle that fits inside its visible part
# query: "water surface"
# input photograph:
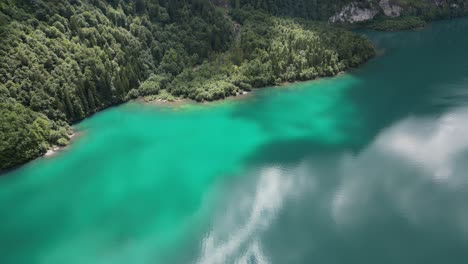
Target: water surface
(367, 167)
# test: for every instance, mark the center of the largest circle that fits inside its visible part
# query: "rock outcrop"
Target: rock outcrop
(365, 10)
(390, 9)
(353, 13)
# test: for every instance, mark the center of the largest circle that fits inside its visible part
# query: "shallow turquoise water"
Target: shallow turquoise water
(367, 167)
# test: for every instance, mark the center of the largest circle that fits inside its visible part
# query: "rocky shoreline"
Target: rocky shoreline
(55, 149)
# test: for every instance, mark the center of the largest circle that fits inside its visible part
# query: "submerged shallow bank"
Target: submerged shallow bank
(54, 150)
(268, 50)
(370, 159)
(243, 94)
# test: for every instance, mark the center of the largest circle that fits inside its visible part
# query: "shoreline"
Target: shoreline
(178, 101)
(184, 101)
(242, 94)
(54, 149)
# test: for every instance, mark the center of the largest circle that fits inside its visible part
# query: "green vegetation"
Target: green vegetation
(25, 134)
(61, 61)
(417, 13)
(268, 51)
(429, 10)
(395, 24)
(414, 15)
(426, 10)
(308, 9)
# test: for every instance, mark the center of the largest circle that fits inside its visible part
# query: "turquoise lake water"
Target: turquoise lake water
(367, 167)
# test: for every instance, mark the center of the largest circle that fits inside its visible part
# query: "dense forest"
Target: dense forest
(309, 9)
(323, 9)
(267, 51)
(61, 61)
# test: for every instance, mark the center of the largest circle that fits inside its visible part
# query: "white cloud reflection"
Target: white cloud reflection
(260, 208)
(414, 172)
(235, 236)
(417, 166)
(435, 149)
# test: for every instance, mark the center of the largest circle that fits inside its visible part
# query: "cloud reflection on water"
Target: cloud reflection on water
(417, 166)
(235, 235)
(403, 195)
(435, 151)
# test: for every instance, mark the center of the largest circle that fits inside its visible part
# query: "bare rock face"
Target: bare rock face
(390, 9)
(353, 13)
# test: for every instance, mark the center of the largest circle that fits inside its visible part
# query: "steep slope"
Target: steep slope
(64, 60)
(352, 11)
(270, 51)
(400, 14)
(61, 61)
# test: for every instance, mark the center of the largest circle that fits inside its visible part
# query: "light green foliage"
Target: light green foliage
(432, 10)
(64, 60)
(24, 134)
(61, 61)
(324, 9)
(62, 142)
(310, 9)
(270, 51)
(417, 12)
(154, 84)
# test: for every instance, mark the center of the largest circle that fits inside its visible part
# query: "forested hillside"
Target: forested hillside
(269, 51)
(324, 9)
(67, 59)
(61, 61)
(309, 9)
